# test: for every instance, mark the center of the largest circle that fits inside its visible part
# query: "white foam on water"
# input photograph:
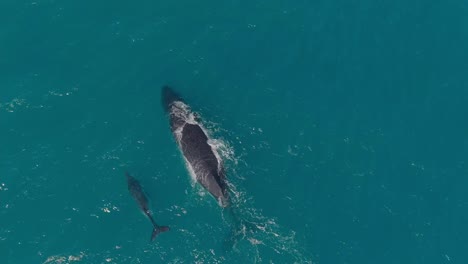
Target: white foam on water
(193, 175)
(58, 259)
(267, 234)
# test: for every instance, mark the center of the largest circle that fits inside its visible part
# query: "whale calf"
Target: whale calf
(192, 140)
(138, 194)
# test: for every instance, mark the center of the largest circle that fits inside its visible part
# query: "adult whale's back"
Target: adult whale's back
(193, 143)
(200, 155)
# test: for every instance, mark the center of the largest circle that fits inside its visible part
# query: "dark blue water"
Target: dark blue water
(343, 127)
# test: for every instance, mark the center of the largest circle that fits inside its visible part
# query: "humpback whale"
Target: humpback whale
(137, 192)
(192, 140)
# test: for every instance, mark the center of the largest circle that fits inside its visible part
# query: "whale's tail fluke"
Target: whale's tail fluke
(157, 230)
(240, 228)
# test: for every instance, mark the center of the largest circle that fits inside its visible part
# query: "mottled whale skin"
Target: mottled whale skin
(138, 194)
(193, 142)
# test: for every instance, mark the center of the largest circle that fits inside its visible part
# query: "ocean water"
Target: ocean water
(343, 127)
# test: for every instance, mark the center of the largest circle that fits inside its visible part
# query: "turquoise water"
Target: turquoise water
(342, 125)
